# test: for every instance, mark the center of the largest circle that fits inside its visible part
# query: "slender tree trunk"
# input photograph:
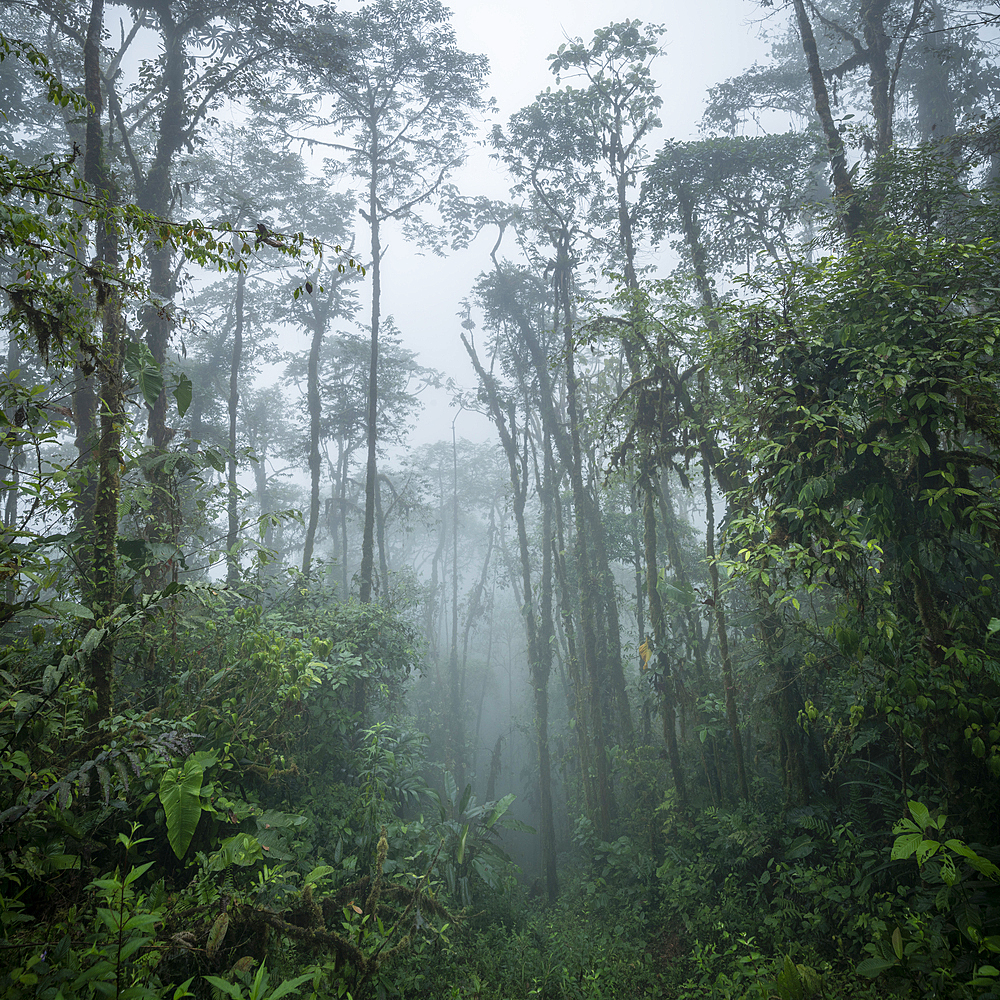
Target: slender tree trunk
(313, 406)
(576, 696)
(476, 602)
(692, 624)
(263, 497)
(104, 596)
(842, 185)
(656, 619)
(85, 418)
(872, 16)
(383, 558)
(155, 195)
(232, 536)
(455, 727)
(11, 456)
(540, 681)
(588, 590)
(343, 520)
(539, 632)
(368, 538)
(732, 715)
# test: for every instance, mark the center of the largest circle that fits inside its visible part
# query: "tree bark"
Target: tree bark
(232, 535)
(368, 537)
(538, 631)
(313, 406)
(842, 185)
(665, 672)
(732, 714)
(104, 595)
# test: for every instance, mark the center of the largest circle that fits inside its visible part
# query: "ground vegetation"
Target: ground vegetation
(685, 687)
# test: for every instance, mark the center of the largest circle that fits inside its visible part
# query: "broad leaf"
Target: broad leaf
(180, 796)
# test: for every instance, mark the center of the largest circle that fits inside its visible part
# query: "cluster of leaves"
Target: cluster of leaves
(205, 788)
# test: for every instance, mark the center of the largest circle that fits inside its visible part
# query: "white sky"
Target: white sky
(705, 42)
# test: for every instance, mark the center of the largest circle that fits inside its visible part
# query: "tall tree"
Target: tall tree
(406, 110)
(177, 94)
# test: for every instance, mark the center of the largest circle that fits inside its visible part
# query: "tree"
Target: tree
(45, 307)
(874, 465)
(179, 94)
(405, 109)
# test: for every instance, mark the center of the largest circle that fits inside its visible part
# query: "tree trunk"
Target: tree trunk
(104, 596)
(368, 538)
(540, 681)
(455, 728)
(732, 715)
(11, 455)
(539, 632)
(588, 589)
(155, 195)
(383, 559)
(842, 185)
(232, 536)
(666, 677)
(313, 406)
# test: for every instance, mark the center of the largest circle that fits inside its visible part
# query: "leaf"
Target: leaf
(72, 608)
(53, 676)
(92, 639)
(450, 788)
(460, 857)
(500, 808)
(872, 967)
(920, 813)
(289, 986)
(800, 847)
(215, 460)
(229, 989)
(216, 935)
(684, 596)
(905, 846)
(105, 779)
(180, 789)
(183, 393)
(141, 365)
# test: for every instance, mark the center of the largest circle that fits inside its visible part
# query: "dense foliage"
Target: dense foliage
(689, 688)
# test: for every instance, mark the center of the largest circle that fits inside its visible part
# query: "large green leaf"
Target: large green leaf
(142, 366)
(183, 393)
(500, 808)
(180, 795)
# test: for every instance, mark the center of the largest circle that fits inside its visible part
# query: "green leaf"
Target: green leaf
(141, 365)
(72, 608)
(920, 813)
(215, 460)
(872, 967)
(800, 847)
(230, 989)
(180, 789)
(290, 986)
(500, 808)
(684, 596)
(217, 934)
(905, 846)
(460, 857)
(183, 393)
(897, 943)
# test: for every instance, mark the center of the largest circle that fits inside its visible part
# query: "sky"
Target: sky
(704, 43)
